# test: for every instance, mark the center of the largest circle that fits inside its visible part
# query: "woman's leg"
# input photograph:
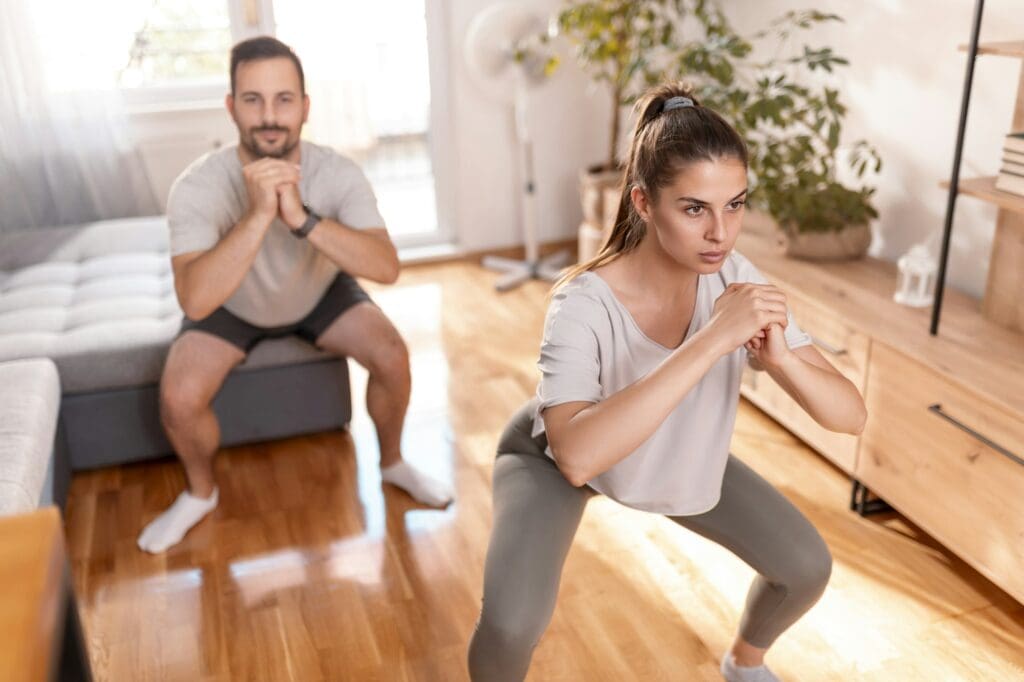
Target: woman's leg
(536, 513)
(758, 524)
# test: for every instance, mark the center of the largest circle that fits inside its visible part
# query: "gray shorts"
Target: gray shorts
(343, 293)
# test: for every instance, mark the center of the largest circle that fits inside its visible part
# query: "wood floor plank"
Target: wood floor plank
(310, 569)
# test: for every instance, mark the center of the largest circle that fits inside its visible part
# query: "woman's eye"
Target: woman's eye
(694, 210)
(737, 205)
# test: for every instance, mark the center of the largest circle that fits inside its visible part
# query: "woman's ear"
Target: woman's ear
(640, 203)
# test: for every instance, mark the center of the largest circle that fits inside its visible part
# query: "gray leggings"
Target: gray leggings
(536, 513)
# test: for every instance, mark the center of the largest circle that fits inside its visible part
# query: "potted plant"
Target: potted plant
(611, 39)
(790, 119)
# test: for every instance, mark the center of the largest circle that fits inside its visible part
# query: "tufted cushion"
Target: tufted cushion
(99, 299)
(28, 421)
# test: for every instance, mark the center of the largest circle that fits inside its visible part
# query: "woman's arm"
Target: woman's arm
(822, 391)
(587, 439)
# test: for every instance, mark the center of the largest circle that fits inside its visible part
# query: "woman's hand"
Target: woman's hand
(769, 348)
(744, 312)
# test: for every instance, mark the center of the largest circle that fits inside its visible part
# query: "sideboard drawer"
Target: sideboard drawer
(841, 345)
(949, 460)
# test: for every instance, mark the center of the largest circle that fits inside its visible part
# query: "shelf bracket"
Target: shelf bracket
(865, 506)
(954, 180)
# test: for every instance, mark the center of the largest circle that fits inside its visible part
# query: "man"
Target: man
(266, 237)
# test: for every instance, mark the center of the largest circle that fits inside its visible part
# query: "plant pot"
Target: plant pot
(590, 241)
(599, 190)
(849, 243)
(756, 221)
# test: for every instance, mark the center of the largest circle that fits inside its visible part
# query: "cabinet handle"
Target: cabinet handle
(937, 409)
(827, 346)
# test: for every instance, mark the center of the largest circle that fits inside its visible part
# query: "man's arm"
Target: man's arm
(361, 253)
(365, 253)
(204, 280)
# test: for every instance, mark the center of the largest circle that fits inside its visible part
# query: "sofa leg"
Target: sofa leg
(61, 467)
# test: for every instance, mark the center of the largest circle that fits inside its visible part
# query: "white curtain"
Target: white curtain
(65, 152)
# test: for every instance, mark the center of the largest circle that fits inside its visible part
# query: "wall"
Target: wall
(903, 89)
(169, 139)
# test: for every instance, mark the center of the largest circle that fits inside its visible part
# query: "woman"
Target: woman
(641, 361)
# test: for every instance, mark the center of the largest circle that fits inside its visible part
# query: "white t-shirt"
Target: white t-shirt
(593, 348)
(289, 275)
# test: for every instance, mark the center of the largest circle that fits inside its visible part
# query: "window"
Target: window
(136, 45)
(369, 85)
(178, 41)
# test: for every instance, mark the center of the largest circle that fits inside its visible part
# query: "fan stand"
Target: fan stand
(550, 267)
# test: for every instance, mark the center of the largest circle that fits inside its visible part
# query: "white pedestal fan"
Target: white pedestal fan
(490, 49)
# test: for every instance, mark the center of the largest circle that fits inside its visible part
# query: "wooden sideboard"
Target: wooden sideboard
(944, 440)
(42, 635)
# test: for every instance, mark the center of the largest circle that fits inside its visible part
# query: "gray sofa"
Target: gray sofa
(98, 299)
(28, 424)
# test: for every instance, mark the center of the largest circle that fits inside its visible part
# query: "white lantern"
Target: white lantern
(916, 283)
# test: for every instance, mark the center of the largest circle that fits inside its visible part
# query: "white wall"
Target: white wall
(171, 139)
(903, 89)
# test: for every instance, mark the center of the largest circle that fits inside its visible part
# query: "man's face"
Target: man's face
(268, 107)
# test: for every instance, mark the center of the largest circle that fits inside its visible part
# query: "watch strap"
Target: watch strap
(312, 219)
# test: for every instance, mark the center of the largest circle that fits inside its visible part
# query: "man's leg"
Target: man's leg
(366, 335)
(195, 370)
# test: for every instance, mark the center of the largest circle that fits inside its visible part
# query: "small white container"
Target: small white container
(916, 284)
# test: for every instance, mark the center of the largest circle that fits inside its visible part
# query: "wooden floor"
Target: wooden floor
(310, 570)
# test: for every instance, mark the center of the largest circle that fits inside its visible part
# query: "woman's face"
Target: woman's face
(698, 214)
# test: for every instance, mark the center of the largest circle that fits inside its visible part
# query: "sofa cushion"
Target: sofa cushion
(99, 300)
(29, 404)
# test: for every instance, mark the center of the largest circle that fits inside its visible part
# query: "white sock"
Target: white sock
(736, 673)
(423, 488)
(170, 527)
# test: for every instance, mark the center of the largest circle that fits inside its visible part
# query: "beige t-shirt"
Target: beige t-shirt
(593, 348)
(289, 275)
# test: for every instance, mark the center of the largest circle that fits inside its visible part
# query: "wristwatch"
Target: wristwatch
(312, 219)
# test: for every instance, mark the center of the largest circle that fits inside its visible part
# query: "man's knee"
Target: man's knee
(181, 402)
(388, 356)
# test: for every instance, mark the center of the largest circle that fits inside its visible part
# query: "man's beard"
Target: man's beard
(253, 146)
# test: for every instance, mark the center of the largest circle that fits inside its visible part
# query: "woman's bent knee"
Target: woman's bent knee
(501, 647)
(811, 569)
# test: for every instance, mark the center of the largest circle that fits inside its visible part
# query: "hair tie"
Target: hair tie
(676, 103)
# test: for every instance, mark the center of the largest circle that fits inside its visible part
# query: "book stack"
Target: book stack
(1011, 175)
